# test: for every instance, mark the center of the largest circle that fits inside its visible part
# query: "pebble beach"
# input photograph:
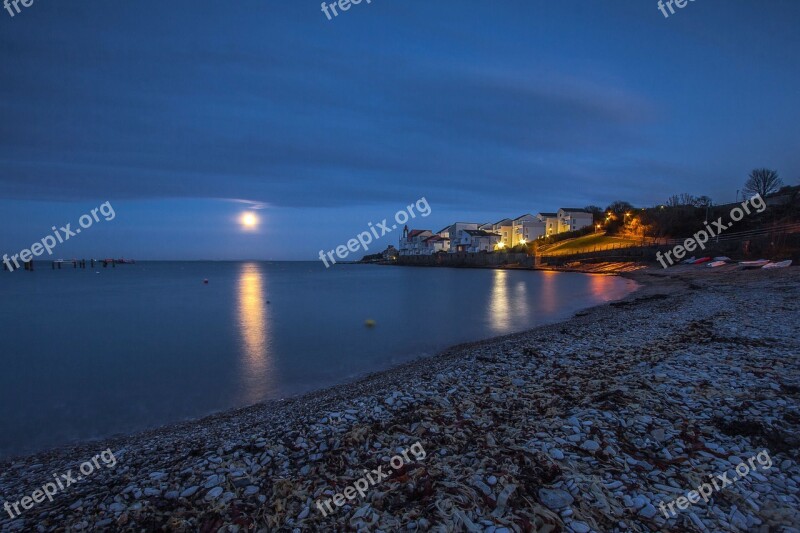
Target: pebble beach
(586, 425)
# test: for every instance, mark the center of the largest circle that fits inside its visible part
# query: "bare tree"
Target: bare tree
(597, 213)
(762, 181)
(677, 200)
(703, 201)
(619, 206)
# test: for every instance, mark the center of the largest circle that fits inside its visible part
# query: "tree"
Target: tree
(619, 206)
(762, 181)
(597, 214)
(678, 200)
(703, 201)
(675, 201)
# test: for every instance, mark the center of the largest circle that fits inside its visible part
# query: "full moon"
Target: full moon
(249, 220)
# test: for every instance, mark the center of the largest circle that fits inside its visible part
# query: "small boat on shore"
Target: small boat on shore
(722, 258)
(781, 264)
(701, 260)
(753, 264)
(715, 264)
(689, 261)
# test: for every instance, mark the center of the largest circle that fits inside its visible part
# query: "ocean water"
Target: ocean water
(91, 353)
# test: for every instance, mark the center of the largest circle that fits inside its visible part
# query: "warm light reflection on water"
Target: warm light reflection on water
(521, 297)
(499, 306)
(601, 286)
(549, 296)
(512, 301)
(256, 367)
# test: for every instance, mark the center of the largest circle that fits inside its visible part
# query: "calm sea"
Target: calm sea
(90, 353)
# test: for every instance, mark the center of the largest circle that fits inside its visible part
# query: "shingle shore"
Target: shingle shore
(579, 426)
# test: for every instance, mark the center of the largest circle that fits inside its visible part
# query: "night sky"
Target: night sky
(183, 114)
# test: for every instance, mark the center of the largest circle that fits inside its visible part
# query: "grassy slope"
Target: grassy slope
(589, 241)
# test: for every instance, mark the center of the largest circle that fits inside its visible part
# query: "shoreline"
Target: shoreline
(375, 403)
(600, 267)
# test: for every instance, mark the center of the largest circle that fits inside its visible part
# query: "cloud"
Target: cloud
(286, 110)
(280, 137)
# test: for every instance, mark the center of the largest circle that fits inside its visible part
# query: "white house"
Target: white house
(444, 233)
(479, 240)
(459, 242)
(526, 228)
(571, 219)
(504, 228)
(550, 221)
(412, 242)
(435, 243)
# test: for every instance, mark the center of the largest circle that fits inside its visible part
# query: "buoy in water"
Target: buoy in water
(205, 281)
(369, 323)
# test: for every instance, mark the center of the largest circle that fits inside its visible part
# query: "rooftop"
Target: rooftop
(480, 233)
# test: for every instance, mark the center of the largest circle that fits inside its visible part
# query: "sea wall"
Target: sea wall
(468, 260)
